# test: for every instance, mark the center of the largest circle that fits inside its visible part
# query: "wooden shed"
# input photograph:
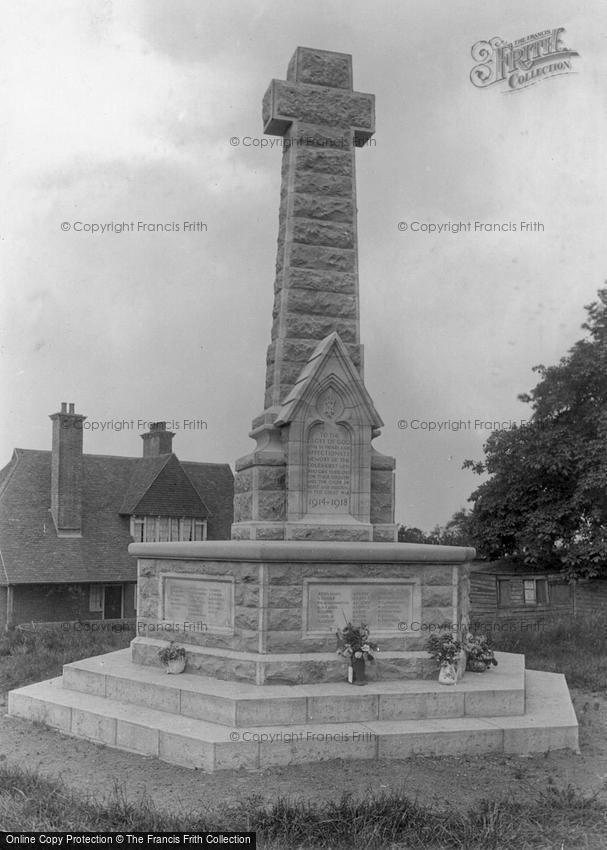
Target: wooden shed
(502, 590)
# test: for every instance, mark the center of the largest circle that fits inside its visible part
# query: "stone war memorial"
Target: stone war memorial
(313, 541)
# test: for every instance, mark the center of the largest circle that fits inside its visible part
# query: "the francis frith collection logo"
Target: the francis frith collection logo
(523, 62)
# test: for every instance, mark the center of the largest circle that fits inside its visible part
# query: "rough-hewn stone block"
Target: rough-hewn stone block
(437, 574)
(313, 183)
(246, 618)
(271, 477)
(328, 259)
(318, 327)
(321, 68)
(285, 596)
(304, 134)
(242, 506)
(382, 509)
(324, 303)
(310, 232)
(326, 161)
(436, 595)
(243, 481)
(320, 280)
(382, 481)
(324, 208)
(284, 619)
(270, 505)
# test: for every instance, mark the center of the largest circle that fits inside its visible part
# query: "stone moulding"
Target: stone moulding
(294, 551)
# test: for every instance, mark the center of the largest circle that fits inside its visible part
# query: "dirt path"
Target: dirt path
(98, 770)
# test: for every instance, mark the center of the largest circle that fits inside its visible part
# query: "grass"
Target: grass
(575, 646)
(555, 818)
(36, 653)
(391, 820)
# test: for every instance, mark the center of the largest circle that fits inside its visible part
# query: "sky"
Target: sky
(125, 111)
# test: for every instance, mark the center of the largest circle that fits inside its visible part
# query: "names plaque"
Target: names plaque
(382, 605)
(329, 461)
(199, 600)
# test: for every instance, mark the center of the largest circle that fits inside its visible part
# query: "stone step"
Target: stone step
(498, 692)
(548, 724)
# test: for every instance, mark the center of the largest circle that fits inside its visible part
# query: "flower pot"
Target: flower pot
(447, 674)
(176, 665)
(358, 671)
(476, 665)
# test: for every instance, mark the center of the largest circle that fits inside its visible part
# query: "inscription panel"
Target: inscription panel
(329, 461)
(199, 600)
(382, 605)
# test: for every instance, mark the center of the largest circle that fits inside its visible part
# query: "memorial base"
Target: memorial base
(263, 685)
(267, 612)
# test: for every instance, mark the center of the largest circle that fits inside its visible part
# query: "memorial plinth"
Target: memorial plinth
(267, 612)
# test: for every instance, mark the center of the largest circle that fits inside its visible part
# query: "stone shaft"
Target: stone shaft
(316, 290)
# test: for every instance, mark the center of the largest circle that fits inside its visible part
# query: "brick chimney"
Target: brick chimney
(66, 471)
(158, 441)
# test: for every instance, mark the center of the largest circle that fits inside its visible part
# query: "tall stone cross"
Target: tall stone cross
(314, 474)
(321, 119)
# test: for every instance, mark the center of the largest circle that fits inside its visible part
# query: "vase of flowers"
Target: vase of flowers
(479, 653)
(445, 650)
(173, 657)
(354, 643)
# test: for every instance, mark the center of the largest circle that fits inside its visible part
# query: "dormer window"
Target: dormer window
(159, 529)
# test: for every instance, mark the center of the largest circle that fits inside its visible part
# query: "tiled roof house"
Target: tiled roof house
(67, 518)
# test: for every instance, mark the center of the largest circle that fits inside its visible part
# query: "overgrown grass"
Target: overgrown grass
(32, 654)
(391, 820)
(575, 646)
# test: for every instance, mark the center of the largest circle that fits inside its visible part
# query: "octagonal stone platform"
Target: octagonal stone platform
(208, 724)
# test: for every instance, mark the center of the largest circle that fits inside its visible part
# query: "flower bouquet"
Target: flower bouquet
(445, 650)
(173, 657)
(480, 654)
(354, 643)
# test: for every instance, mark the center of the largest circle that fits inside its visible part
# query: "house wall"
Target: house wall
(54, 603)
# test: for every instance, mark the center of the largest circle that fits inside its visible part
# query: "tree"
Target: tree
(454, 533)
(545, 502)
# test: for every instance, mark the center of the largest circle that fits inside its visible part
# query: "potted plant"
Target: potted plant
(354, 643)
(480, 654)
(173, 657)
(445, 650)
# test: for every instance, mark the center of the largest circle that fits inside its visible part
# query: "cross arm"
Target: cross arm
(285, 102)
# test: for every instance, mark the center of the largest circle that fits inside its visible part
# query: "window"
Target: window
(541, 589)
(512, 593)
(529, 592)
(536, 591)
(137, 529)
(107, 600)
(96, 598)
(155, 529)
(200, 529)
